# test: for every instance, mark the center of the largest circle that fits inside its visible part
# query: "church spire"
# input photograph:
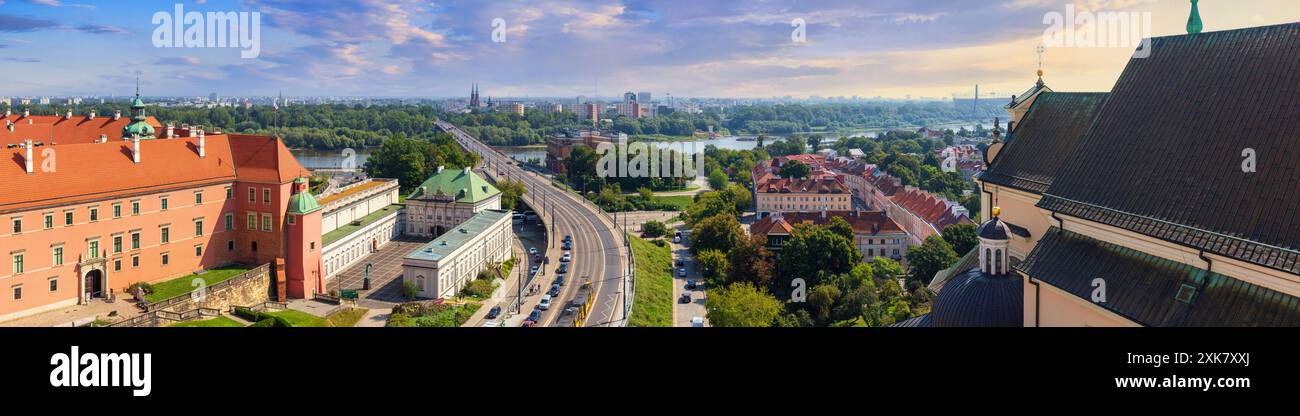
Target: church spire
(1041, 49)
(1194, 24)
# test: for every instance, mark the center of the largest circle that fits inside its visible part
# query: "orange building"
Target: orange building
(91, 207)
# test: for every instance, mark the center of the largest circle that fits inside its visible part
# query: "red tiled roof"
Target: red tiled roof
(75, 130)
(863, 222)
(264, 159)
(932, 209)
(814, 185)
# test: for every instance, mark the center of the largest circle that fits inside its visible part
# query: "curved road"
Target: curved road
(598, 249)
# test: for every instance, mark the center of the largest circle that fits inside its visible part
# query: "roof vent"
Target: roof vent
(1186, 293)
(90, 116)
(117, 114)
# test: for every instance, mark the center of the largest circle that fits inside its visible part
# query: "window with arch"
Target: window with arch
(988, 259)
(998, 261)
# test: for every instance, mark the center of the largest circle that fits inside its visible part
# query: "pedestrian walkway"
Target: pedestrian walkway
(385, 272)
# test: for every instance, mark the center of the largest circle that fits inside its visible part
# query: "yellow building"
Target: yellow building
(1170, 201)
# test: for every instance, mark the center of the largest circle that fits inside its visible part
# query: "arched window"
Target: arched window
(998, 262)
(419, 282)
(988, 260)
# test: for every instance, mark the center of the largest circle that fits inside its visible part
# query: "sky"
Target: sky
(568, 48)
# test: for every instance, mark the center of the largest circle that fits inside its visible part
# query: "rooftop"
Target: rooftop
(453, 239)
(1043, 140)
(462, 185)
(349, 228)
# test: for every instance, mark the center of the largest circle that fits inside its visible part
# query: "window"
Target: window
(166, 235)
(252, 195)
(230, 193)
(252, 221)
(198, 251)
(166, 259)
(18, 293)
(117, 210)
(266, 195)
(67, 218)
(18, 263)
(135, 207)
(93, 249)
(313, 246)
(135, 261)
(198, 198)
(291, 221)
(49, 221)
(135, 240)
(230, 221)
(198, 227)
(117, 265)
(117, 244)
(254, 246)
(230, 245)
(266, 222)
(54, 285)
(94, 214)
(18, 225)
(998, 262)
(162, 203)
(58, 256)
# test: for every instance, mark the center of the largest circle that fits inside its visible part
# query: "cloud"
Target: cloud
(11, 23)
(23, 60)
(58, 3)
(99, 29)
(178, 60)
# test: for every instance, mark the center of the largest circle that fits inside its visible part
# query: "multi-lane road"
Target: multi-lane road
(598, 248)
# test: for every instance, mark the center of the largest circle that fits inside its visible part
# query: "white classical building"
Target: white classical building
(447, 199)
(358, 220)
(442, 267)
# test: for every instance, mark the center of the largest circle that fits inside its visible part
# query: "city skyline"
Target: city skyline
(891, 49)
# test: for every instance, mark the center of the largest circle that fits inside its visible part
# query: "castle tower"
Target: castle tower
(305, 271)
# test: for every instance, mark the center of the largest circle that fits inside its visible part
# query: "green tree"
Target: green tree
(713, 267)
(929, 258)
(811, 254)
(794, 169)
(822, 300)
(717, 178)
(654, 229)
(751, 262)
(512, 192)
(841, 227)
(709, 204)
(720, 232)
(961, 237)
(741, 305)
(739, 196)
(399, 158)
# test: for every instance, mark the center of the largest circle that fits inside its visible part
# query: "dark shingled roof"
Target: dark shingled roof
(922, 321)
(1043, 140)
(1146, 289)
(1164, 156)
(975, 299)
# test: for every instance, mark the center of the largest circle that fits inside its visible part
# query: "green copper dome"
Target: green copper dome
(303, 203)
(138, 128)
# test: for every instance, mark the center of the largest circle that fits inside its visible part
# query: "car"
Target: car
(677, 233)
(533, 318)
(545, 303)
(564, 268)
(566, 258)
(568, 238)
(494, 312)
(532, 270)
(677, 239)
(568, 246)
(532, 251)
(691, 284)
(555, 290)
(680, 263)
(681, 272)
(559, 280)
(686, 298)
(697, 322)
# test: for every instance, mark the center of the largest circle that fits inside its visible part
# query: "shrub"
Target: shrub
(654, 229)
(264, 323)
(399, 320)
(478, 289)
(410, 290)
(660, 242)
(247, 314)
(144, 288)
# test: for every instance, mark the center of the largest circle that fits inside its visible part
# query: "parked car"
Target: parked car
(555, 290)
(564, 268)
(681, 272)
(494, 312)
(568, 238)
(533, 318)
(545, 303)
(686, 298)
(680, 263)
(532, 270)
(559, 280)
(691, 284)
(697, 322)
(568, 245)
(566, 258)
(532, 251)
(677, 239)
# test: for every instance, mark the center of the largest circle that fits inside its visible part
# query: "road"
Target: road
(684, 312)
(599, 251)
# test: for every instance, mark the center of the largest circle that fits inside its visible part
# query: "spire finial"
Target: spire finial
(1041, 50)
(1194, 24)
(137, 85)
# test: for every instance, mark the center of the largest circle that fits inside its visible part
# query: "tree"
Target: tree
(822, 299)
(709, 204)
(751, 262)
(930, 257)
(512, 192)
(811, 254)
(739, 196)
(654, 229)
(713, 267)
(400, 158)
(720, 232)
(841, 227)
(742, 305)
(961, 237)
(794, 169)
(717, 178)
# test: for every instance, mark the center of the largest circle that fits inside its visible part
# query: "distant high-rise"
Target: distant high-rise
(643, 97)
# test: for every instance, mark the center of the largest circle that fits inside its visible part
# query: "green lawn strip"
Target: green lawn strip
(182, 285)
(679, 202)
(347, 229)
(300, 318)
(220, 321)
(347, 317)
(653, 305)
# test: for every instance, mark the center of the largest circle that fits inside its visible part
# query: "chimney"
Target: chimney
(117, 114)
(135, 149)
(8, 113)
(91, 116)
(103, 138)
(171, 130)
(27, 113)
(30, 166)
(202, 148)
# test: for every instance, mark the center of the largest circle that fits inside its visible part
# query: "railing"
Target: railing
(152, 318)
(165, 303)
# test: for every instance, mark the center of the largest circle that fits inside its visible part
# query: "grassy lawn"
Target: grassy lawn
(653, 305)
(182, 285)
(347, 317)
(220, 321)
(300, 318)
(681, 202)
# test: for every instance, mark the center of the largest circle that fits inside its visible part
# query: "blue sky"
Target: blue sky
(696, 48)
